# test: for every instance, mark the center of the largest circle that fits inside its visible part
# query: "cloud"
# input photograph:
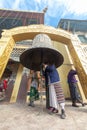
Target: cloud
(78, 7)
(56, 8)
(64, 7)
(17, 4)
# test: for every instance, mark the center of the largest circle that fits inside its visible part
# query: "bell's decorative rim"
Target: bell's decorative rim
(33, 58)
(42, 51)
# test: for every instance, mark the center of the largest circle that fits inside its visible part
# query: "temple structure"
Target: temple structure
(18, 29)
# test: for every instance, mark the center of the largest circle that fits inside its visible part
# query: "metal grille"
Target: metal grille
(19, 48)
(85, 50)
(16, 53)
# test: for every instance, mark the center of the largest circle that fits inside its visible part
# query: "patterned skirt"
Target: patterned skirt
(59, 92)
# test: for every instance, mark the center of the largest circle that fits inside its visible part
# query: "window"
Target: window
(32, 21)
(7, 23)
(83, 38)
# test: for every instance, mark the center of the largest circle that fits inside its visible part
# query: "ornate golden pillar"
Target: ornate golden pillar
(17, 84)
(6, 47)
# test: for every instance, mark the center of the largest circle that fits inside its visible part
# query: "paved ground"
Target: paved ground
(20, 116)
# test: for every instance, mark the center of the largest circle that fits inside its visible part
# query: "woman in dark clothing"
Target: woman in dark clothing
(56, 96)
(73, 88)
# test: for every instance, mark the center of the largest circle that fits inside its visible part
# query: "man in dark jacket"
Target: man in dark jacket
(75, 97)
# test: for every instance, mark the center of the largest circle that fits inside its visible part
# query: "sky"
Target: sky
(57, 9)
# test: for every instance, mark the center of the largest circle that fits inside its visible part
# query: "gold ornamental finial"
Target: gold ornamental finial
(45, 9)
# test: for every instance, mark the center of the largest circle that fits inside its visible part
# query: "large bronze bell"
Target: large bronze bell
(40, 52)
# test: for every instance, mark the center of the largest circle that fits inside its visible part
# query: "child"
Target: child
(34, 95)
(3, 87)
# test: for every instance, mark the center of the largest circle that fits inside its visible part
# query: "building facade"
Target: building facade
(10, 19)
(79, 40)
(79, 29)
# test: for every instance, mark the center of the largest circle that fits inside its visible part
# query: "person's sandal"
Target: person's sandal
(55, 110)
(83, 104)
(74, 105)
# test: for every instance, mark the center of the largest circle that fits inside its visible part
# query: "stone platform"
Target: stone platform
(20, 116)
